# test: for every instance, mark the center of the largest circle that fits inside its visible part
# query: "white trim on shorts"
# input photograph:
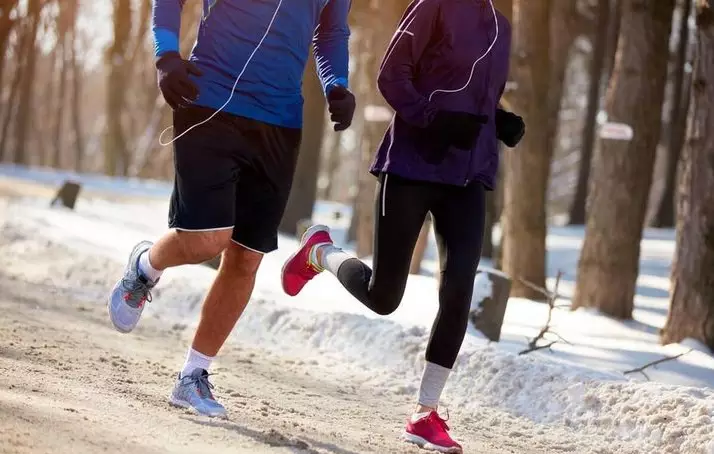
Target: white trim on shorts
(217, 229)
(249, 248)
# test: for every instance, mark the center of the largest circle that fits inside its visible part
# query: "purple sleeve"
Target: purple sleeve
(398, 70)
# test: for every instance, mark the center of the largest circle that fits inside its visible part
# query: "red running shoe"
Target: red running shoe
(431, 433)
(299, 269)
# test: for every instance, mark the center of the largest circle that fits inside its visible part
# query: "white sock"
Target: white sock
(432, 384)
(195, 360)
(417, 416)
(146, 269)
(331, 258)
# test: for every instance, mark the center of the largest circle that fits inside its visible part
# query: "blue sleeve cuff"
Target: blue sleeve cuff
(165, 40)
(339, 81)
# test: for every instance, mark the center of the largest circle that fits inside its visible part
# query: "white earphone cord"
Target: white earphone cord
(235, 84)
(405, 31)
(398, 32)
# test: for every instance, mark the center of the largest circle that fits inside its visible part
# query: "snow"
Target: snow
(577, 386)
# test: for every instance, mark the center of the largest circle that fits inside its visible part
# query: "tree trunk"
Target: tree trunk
(622, 170)
(46, 91)
(333, 165)
(665, 215)
(59, 112)
(25, 101)
(10, 110)
(527, 170)
(115, 146)
(597, 66)
(304, 190)
(613, 39)
(564, 29)
(376, 39)
(373, 132)
(6, 25)
(76, 106)
(691, 313)
(494, 199)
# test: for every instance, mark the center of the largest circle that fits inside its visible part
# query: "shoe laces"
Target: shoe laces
(441, 422)
(203, 385)
(138, 291)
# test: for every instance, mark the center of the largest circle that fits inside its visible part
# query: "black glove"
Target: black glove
(510, 128)
(341, 103)
(174, 83)
(457, 129)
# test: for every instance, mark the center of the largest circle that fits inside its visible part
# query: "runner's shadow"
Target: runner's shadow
(271, 437)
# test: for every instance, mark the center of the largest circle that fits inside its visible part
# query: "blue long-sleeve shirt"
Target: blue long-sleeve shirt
(270, 89)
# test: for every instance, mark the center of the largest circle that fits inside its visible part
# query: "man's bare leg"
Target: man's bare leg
(227, 298)
(224, 303)
(179, 247)
(147, 262)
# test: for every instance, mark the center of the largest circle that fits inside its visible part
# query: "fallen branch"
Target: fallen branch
(641, 370)
(532, 349)
(543, 291)
(551, 296)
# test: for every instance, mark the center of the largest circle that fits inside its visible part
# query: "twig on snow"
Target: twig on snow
(552, 296)
(641, 370)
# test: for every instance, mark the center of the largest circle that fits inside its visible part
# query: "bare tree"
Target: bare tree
(26, 88)
(62, 49)
(597, 68)
(75, 99)
(613, 39)
(304, 190)
(10, 106)
(691, 313)
(376, 39)
(494, 199)
(116, 159)
(7, 23)
(622, 169)
(526, 172)
(665, 216)
(566, 24)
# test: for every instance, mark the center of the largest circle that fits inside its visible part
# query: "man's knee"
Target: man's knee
(202, 246)
(240, 261)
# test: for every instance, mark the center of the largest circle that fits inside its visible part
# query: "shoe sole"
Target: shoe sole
(305, 236)
(185, 405)
(132, 258)
(424, 444)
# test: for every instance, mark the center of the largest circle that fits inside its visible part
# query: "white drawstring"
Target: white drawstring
(235, 84)
(473, 67)
(405, 31)
(384, 195)
(400, 32)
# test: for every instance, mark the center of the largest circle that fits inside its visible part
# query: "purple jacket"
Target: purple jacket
(434, 48)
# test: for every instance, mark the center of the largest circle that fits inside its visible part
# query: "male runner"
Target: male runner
(234, 172)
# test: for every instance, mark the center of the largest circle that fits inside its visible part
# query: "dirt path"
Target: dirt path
(70, 384)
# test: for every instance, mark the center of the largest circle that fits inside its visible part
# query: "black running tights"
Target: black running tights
(401, 208)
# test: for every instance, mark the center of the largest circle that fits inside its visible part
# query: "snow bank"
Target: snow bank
(84, 251)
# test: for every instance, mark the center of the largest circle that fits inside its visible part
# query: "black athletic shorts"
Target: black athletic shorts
(232, 173)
